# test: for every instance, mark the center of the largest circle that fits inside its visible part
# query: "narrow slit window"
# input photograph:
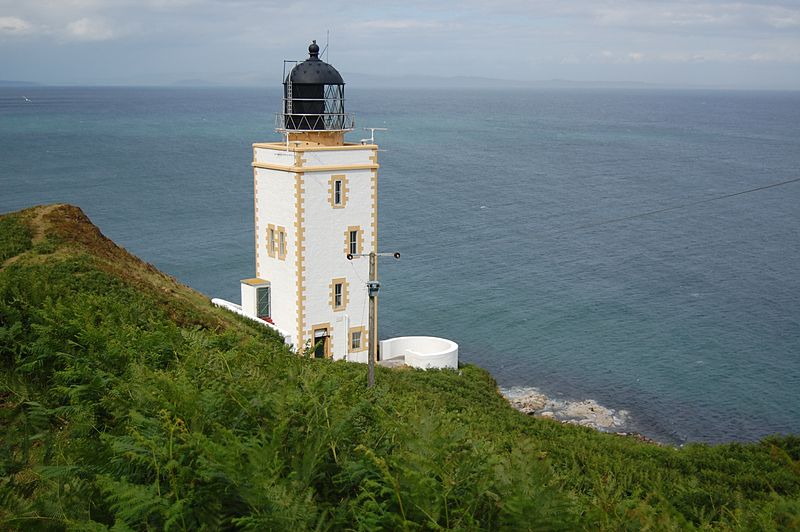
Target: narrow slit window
(337, 192)
(282, 244)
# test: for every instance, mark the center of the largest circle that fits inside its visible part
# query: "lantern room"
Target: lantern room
(313, 100)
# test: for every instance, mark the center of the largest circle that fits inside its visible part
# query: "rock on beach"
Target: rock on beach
(588, 412)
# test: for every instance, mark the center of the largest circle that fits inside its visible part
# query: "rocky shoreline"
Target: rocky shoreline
(586, 413)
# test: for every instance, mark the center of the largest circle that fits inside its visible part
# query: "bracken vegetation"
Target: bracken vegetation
(127, 401)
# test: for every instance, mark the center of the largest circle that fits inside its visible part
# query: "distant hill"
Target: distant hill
(129, 402)
(12, 83)
(474, 82)
(197, 82)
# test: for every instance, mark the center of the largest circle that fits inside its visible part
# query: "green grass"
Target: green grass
(15, 237)
(127, 401)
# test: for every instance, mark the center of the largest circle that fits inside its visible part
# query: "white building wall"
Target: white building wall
(326, 259)
(278, 154)
(275, 204)
(323, 238)
(341, 327)
(273, 156)
(347, 156)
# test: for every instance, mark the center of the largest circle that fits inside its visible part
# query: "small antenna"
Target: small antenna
(372, 131)
(327, 44)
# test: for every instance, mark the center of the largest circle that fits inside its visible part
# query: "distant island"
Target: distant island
(477, 82)
(13, 83)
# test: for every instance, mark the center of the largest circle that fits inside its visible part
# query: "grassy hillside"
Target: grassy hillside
(128, 401)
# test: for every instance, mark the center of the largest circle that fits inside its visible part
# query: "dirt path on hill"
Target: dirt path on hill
(37, 225)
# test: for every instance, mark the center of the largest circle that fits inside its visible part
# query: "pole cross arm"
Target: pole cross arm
(351, 256)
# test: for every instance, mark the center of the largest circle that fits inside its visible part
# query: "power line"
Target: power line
(676, 207)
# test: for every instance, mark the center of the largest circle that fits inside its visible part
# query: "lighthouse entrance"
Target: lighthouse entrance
(321, 343)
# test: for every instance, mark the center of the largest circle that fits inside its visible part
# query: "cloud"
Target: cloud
(725, 56)
(696, 17)
(607, 56)
(14, 26)
(526, 39)
(86, 29)
(408, 24)
(784, 19)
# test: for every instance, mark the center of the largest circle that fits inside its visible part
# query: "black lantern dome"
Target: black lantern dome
(313, 97)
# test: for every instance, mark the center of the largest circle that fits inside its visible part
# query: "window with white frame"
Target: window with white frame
(339, 296)
(358, 339)
(338, 289)
(353, 240)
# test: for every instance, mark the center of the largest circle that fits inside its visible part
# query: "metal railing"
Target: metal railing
(315, 122)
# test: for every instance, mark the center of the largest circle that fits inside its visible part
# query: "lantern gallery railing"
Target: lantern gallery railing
(315, 122)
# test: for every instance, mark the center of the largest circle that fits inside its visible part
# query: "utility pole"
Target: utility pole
(373, 286)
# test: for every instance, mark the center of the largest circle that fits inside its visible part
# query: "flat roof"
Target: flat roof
(255, 281)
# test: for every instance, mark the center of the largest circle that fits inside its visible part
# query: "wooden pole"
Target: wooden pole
(373, 327)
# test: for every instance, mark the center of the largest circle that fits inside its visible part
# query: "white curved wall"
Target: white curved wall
(422, 351)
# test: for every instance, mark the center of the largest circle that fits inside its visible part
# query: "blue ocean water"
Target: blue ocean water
(687, 318)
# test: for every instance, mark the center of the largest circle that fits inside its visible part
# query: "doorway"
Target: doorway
(322, 342)
(262, 302)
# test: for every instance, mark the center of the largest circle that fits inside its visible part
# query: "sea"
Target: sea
(639, 248)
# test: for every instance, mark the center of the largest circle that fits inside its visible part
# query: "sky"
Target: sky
(744, 44)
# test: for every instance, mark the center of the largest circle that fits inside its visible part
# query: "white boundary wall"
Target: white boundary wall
(237, 309)
(275, 204)
(425, 352)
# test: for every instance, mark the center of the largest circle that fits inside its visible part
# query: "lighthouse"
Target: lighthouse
(315, 201)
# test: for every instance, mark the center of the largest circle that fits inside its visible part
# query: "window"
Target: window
(358, 339)
(337, 190)
(339, 297)
(276, 242)
(353, 240)
(271, 240)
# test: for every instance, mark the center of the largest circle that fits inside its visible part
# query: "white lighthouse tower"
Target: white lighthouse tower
(316, 200)
(316, 208)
